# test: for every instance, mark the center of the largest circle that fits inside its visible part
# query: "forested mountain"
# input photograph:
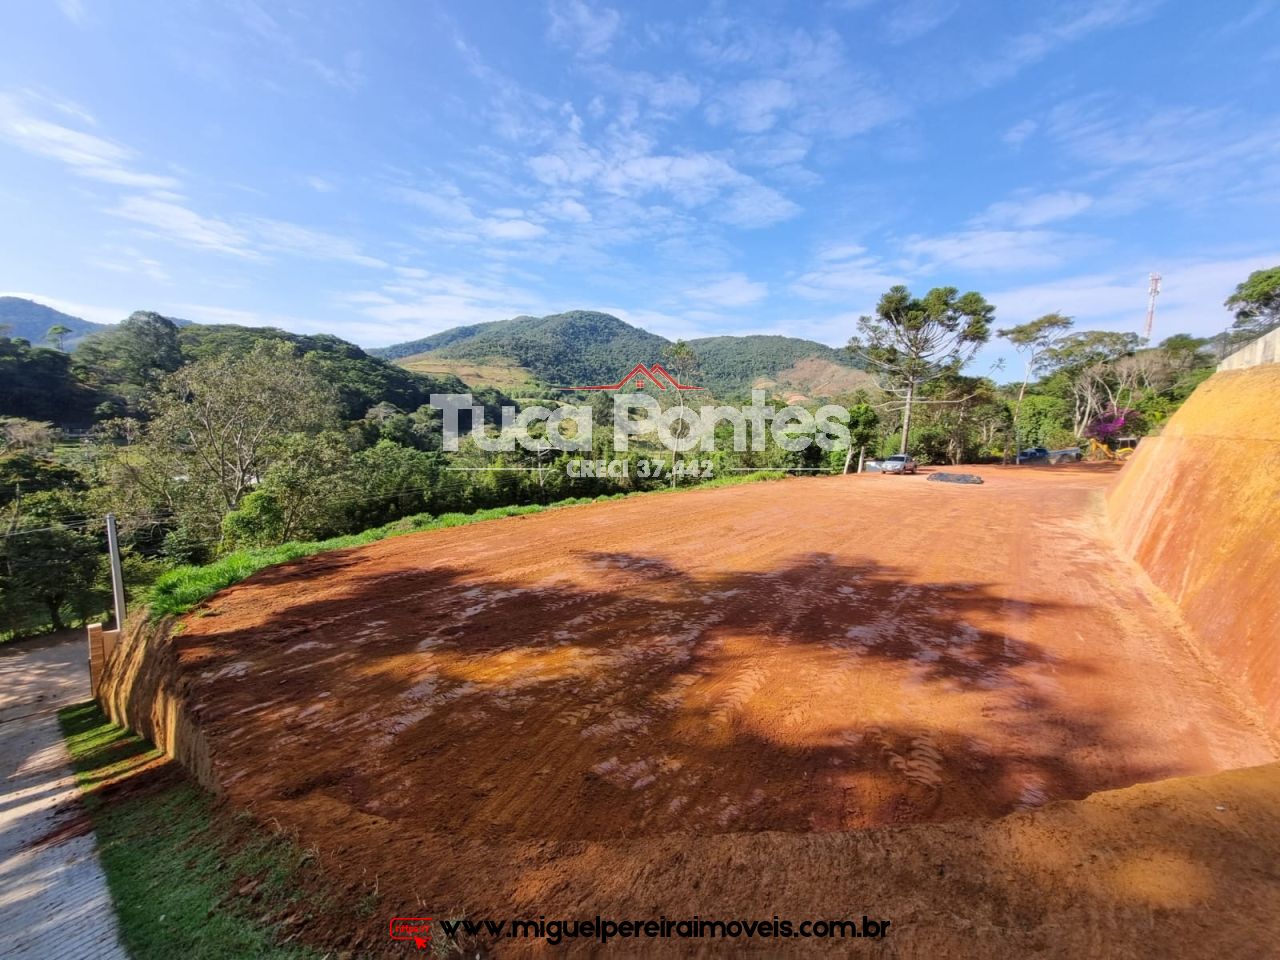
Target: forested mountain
(110, 372)
(580, 346)
(31, 321)
(786, 364)
(583, 346)
(436, 341)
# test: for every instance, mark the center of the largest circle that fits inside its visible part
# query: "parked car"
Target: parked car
(1034, 453)
(899, 463)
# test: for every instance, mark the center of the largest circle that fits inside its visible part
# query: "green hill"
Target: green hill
(584, 346)
(785, 365)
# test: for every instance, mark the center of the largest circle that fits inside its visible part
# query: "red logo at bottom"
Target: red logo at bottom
(417, 929)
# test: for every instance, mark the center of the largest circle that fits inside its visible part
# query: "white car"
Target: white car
(899, 463)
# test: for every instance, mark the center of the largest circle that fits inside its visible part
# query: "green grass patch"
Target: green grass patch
(186, 880)
(181, 589)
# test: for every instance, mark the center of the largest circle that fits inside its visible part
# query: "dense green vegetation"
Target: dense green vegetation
(586, 347)
(727, 366)
(37, 383)
(187, 877)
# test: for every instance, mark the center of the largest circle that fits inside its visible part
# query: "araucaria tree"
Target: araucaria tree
(912, 340)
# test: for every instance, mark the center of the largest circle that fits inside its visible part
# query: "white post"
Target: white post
(862, 451)
(117, 575)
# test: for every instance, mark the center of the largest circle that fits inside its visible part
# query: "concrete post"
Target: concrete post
(117, 576)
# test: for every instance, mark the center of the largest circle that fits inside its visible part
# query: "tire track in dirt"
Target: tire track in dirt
(712, 661)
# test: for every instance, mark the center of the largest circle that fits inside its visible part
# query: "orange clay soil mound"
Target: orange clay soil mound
(695, 703)
(1199, 508)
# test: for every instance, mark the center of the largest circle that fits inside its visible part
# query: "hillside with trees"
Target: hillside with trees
(584, 346)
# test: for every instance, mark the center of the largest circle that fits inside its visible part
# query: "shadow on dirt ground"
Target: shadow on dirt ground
(668, 742)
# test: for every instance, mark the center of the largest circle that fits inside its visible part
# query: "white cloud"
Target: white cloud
(753, 106)
(910, 19)
(1185, 156)
(347, 75)
(588, 31)
(566, 208)
(992, 250)
(132, 261)
(86, 154)
(1033, 210)
(447, 204)
(846, 272)
(1016, 135)
(292, 238)
(512, 229)
(421, 302)
(167, 217)
(176, 222)
(755, 205)
(320, 184)
(735, 290)
(1066, 25)
(73, 10)
(693, 179)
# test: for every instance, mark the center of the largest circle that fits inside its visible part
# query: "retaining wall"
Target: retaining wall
(1199, 508)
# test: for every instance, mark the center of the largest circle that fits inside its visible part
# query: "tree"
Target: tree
(56, 335)
(217, 427)
(46, 562)
(130, 359)
(54, 566)
(1084, 363)
(307, 493)
(864, 424)
(1032, 339)
(33, 436)
(913, 340)
(1185, 352)
(683, 362)
(1256, 303)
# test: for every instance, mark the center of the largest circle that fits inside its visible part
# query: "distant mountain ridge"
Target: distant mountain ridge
(575, 347)
(586, 346)
(31, 321)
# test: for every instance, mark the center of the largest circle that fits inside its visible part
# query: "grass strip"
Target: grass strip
(187, 880)
(181, 589)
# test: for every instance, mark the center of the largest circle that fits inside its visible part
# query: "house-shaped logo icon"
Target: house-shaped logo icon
(640, 377)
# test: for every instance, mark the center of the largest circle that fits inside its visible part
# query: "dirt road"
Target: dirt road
(806, 656)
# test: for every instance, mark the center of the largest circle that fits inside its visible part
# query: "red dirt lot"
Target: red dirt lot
(685, 703)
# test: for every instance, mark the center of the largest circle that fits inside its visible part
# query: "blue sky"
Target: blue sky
(385, 170)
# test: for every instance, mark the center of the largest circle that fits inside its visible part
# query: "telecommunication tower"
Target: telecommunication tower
(1153, 291)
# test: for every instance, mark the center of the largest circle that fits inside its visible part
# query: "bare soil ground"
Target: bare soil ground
(695, 702)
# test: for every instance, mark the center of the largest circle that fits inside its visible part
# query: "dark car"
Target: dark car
(1034, 453)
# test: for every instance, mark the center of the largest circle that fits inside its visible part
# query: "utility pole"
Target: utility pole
(117, 575)
(1153, 291)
